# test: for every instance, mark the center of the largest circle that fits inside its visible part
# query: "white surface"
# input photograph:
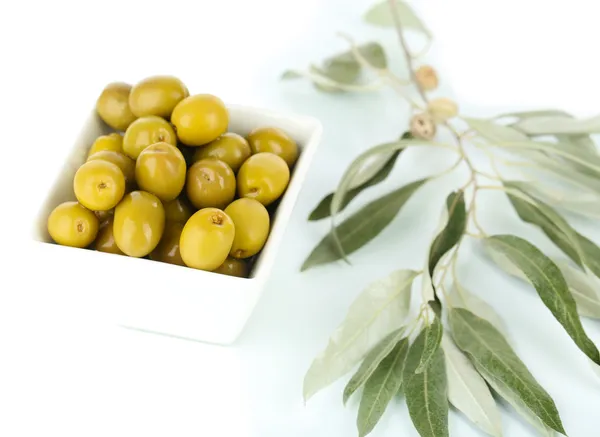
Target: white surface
(159, 297)
(63, 371)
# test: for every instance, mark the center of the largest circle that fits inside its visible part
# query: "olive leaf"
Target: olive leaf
(468, 392)
(433, 337)
(584, 142)
(515, 400)
(495, 132)
(581, 286)
(586, 204)
(372, 174)
(454, 230)
(535, 113)
(496, 361)
(550, 284)
(291, 74)
(558, 124)
(583, 289)
(426, 392)
(380, 388)
(344, 68)
(535, 212)
(349, 176)
(361, 227)
(377, 311)
(582, 157)
(380, 15)
(579, 248)
(371, 361)
(459, 297)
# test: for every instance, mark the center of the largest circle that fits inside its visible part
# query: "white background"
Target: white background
(65, 372)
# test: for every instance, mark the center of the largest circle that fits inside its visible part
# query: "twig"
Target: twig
(409, 61)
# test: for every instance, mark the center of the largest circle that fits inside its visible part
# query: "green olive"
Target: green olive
(233, 267)
(105, 241)
(112, 142)
(99, 185)
(206, 239)
(200, 119)
(168, 249)
(146, 131)
(125, 163)
(274, 140)
(71, 224)
(178, 210)
(263, 177)
(157, 95)
(231, 148)
(210, 183)
(160, 169)
(113, 106)
(251, 221)
(139, 223)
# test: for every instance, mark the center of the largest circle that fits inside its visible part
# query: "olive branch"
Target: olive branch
(455, 351)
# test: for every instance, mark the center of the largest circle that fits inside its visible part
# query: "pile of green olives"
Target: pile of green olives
(171, 183)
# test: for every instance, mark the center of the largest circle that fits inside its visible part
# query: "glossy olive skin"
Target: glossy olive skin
(157, 95)
(113, 106)
(233, 267)
(206, 239)
(71, 224)
(99, 185)
(210, 183)
(104, 216)
(231, 148)
(105, 241)
(178, 210)
(263, 177)
(168, 249)
(200, 119)
(112, 142)
(252, 224)
(274, 140)
(146, 131)
(160, 169)
(139, 223)
(124, 162)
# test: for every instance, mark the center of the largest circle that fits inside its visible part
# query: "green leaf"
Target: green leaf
(344, 68)
(494, 132)
(581, 286)
(586, 203)
(514, 399)
(583, 142)
(459, 297)
(583, 289)
(371, 361)
(497, 362)
(580, 249)
(557, 124)
(454, 230)
(535, 212)
(433, 338)
(381, 15)
(361, 227)
(582, 157)
(535, 113)
(380, 388)
(550, 284)
(380, 309)
(426, 392)
(468, 392)
(291, 74)
(376, 172)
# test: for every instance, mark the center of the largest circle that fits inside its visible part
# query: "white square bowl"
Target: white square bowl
(174, 300)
